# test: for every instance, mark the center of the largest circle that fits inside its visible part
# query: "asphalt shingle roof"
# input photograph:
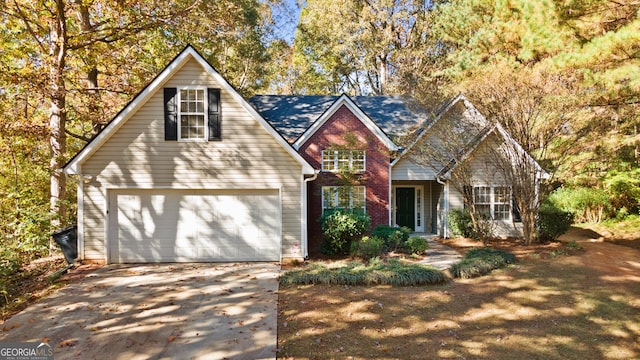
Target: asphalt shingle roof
(291, 115)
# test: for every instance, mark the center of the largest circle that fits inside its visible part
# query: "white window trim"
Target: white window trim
(364, 196)
(492, 204)
(335, 160)
(206, 113)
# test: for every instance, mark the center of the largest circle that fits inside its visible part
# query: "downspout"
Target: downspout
(305, 228)
(80, 212)
(391, 204)
(445, 195)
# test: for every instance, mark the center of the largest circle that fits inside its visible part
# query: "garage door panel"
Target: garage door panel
(171, 225)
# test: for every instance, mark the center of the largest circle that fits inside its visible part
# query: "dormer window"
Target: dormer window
(192, 114)
(343, 160)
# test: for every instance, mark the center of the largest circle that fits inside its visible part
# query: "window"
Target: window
(493, 202)
(192, 113)
(343, 160)
(501, 203)
(482, 201)
(344, 197)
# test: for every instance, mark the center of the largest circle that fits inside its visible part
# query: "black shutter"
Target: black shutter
(215, 132)
(515, 211)
(170, 114)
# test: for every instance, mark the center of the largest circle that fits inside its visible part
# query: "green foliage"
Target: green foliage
(394, 237)
(460, 223)
(552, 222)
(417, 245)
(573, 245)
(9, 262)
(368, 247)
(586, 204)
(340, 228)
(480, 261)
(624, 191)
(376, 272)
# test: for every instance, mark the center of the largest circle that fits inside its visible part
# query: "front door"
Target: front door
(405, 207)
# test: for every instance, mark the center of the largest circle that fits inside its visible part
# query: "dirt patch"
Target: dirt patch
(34, 281)
(556, 302)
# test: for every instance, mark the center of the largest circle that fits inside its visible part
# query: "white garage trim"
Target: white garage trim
(188, 225)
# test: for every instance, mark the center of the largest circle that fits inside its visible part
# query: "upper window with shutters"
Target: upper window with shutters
(192, 114)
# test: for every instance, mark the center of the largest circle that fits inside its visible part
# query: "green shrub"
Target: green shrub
(368, 247)
(478, 262)
(552, 222)
(417, 245)
(394, 237)
(340, 228)
(586, 204)
(376, 272)
(460, 223)
(624, 191)
(10, 262)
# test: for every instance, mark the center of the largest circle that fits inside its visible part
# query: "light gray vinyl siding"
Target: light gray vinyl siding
(485, 173)
(137, 156)
(405, 169)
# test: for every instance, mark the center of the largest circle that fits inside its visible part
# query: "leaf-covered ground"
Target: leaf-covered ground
(34, 281)
(556, 302)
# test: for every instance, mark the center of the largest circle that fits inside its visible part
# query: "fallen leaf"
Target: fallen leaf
(68, 342)
(7, 328)
(171, 338)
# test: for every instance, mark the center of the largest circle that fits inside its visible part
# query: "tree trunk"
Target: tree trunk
(57, 115)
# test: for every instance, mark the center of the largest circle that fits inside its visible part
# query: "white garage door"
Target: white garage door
(187, 225)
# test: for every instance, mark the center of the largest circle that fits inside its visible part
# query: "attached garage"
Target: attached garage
(166, 225)
(188, 171)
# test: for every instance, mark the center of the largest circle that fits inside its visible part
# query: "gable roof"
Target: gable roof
(470, 131)
(73, 165)
(291, 115)
(426, 133)
(344, 100)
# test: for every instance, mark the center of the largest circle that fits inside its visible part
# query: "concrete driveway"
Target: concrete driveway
(163, 311)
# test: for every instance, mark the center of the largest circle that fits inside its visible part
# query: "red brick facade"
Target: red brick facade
(344, 130)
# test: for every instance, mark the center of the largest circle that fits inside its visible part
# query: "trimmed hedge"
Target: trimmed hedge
(394, 237)
(417, 245)
(367, 248)
(481, 261)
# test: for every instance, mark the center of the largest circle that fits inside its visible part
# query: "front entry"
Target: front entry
(405, 207)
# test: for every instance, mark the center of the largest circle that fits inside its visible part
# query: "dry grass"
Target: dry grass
(544, 307)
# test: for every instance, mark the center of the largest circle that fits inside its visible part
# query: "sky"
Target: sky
(286, 18)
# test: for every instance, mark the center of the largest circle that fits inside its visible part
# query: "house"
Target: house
(191, 171)
(394, 160)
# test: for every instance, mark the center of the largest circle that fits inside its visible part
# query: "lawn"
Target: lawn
(556, 302)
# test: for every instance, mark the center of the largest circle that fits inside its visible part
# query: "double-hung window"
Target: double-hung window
(192, 114)
(492, 202)
(501, 203)
(344, 198)
(482, 201)
(343, 160)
